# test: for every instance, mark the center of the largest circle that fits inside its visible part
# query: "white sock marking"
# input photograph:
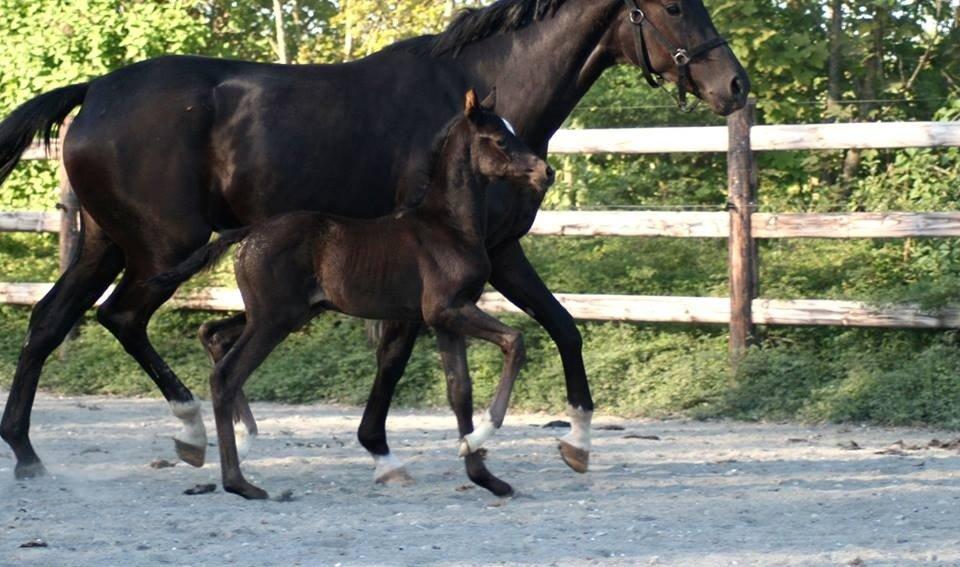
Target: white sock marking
(193, 433)
(473, 441)
(244, 439)
(385, 464)
(579, 435)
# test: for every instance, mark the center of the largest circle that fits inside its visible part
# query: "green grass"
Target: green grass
(884, 377)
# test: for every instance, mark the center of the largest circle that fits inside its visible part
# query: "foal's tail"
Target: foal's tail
(40, 116)
(200, 260)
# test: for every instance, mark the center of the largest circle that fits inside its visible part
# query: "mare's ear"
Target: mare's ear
(490, 102)
(470, 106)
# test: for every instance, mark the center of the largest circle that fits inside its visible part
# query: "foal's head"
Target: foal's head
(497, 152)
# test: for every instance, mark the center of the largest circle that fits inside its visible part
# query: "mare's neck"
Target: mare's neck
(455, 195)
(541, 72)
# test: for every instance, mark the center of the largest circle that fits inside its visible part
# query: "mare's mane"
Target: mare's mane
(475, 24)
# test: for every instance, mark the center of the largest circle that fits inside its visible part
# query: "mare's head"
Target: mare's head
(676, 41)
(496, 151)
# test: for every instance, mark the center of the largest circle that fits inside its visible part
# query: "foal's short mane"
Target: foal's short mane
(415, 197)
(474, 24)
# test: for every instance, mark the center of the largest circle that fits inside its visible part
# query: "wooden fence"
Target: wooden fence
(741, 225)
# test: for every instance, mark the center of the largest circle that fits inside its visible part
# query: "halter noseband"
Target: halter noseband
(681, 57)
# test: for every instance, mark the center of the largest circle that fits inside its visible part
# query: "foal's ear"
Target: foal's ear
(470, 106)
(490, 102)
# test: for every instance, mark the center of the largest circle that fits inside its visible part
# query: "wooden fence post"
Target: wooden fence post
(69, 207)
(744, 274)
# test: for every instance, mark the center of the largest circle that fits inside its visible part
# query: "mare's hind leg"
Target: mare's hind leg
(393, 352)
(126, 314)
(217, 338)
(453, 354)
(96, 264)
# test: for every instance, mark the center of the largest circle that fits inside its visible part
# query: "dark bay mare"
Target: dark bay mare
(297, 265)
(167, 151)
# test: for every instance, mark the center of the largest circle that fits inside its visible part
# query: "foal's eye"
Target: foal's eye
(674, 9)
(502, 143)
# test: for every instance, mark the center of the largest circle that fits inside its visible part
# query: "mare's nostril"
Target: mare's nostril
(736, 87)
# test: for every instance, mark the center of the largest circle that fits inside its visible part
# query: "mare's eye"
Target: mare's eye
(674, 9)
(502, 143)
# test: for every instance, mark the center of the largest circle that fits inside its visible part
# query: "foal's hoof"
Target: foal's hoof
(26, 471)
(247, 490)
(478, 473)
(576, 458)
(398, 477)
(190, 454)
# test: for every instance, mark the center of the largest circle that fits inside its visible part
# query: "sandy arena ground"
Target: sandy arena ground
(702, 494)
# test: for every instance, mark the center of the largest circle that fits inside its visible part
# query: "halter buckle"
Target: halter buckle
(681, 57)
(637, 16)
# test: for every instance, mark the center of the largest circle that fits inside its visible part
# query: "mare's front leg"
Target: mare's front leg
(393, 352)
(514, 277)
(453, 354)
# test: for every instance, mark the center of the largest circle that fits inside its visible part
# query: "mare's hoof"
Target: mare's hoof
(247, 490)
(25, 471)
(190, 454)
(398, 477)
(576, 458)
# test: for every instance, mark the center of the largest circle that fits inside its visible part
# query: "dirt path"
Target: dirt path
(703, 494)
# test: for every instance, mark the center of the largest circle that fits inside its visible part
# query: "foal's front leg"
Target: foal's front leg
(469, 320)
(453, 354)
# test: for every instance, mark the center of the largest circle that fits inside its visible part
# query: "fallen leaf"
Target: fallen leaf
(200, 489)
(161, 464)
(850, 446)
(644, 437)
(609, 428)
(285, 496)
(34, 543)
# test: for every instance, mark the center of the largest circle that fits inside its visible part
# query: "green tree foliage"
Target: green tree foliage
(809, 61)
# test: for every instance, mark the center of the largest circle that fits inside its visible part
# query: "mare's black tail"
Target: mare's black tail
(202, 259)
(38, 116)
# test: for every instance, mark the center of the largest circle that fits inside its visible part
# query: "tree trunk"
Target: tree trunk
(869, 88)
(348, 32)
(835, 89)
(281, 34)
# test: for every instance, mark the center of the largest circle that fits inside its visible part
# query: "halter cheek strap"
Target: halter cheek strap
(682, 57)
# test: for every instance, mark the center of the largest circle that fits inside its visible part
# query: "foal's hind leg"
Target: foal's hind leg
(453, 354)
(226, 382)
(217, 337)
(126, 314)
(393, 352)
(96, 264)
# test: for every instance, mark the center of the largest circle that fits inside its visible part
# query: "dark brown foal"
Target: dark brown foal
(425, 264)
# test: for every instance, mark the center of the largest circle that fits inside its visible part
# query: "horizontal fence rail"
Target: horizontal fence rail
(622, 308)
(672, 224)
(699, 139)
(869, 135)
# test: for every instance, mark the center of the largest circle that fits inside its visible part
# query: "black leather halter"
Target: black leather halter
(682, 57)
